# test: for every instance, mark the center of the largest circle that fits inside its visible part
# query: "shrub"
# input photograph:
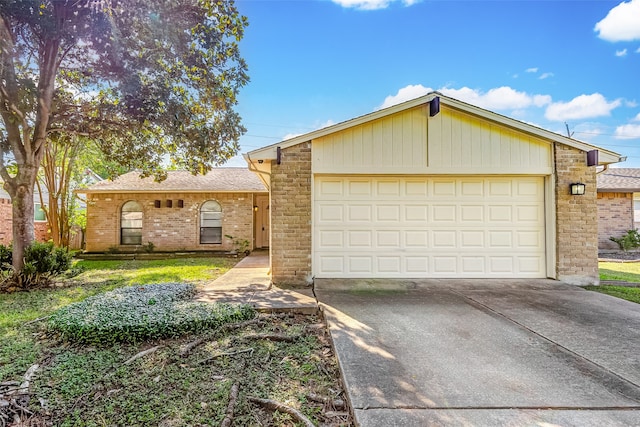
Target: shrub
(46, 258)
(139, 313)
(149, 247)
(631, 240)
(42, 262)
(6, 257)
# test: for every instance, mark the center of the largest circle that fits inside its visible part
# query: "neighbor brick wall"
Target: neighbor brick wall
(5, 222)
(615, 217)
(576, 218)
(169, 229)
(291, 217)
(41, 228)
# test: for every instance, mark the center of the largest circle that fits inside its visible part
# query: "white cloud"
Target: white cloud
(371, 4)
(501, 98)
(545, 76)
(621, 23)
(629, 131)
(638, 50)
(581, 107)
(637, 118)
(325, 124)
(405, 94)
(622, 52)
(316, 126)
(532, 70)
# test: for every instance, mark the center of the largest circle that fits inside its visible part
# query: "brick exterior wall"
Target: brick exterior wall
(576, 218)
(615, 217)
(169, 229)
(291, 217)
(41, 228)
(6, 234)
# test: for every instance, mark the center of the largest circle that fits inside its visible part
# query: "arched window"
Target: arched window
(131, 224)
(210, 222)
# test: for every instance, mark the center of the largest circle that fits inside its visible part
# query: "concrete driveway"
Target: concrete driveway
(485, 353)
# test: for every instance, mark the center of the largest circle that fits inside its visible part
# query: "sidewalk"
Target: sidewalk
(249, 282)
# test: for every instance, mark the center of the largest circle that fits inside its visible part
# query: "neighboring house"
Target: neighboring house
(6, 218)
(618, 204)
(184, 212)
(431, 188)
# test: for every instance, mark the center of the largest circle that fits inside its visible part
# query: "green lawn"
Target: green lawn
(91, 386)
(623, 271)
(143, 272)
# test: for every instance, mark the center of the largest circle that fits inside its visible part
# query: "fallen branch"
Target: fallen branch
(39, 319)
(233, 398)
(228, 353)
(277, 406)
(186, 349)
(335, 403)
(142, 354)
(260, 319)
(272, 337)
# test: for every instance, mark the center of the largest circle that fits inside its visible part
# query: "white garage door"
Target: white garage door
(474, 227)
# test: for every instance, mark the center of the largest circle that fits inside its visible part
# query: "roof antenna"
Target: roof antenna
(569, 134)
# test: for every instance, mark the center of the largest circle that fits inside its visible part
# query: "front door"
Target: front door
(262, 221)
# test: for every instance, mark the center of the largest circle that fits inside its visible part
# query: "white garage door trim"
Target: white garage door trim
(429, 227)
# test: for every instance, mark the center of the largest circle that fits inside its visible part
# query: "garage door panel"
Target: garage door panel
(444, 188)
(416, 189)
(429, 227)
(417, 264)
(331, 239)
(444, 213)
(360, 239)
(473, 264)
(331, 213)
(499, 213)
(416, 213)
(359, 213)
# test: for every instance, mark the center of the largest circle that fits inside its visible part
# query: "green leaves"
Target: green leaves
(139, 313)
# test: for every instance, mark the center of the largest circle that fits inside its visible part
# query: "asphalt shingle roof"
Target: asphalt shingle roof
(619, 180)
(227, 180)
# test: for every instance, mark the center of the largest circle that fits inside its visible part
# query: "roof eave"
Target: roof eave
(88, 191)
(605, 157)
(618, 190)
(270, 152)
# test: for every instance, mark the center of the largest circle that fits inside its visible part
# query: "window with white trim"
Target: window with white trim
(131, 224)
(211, 222)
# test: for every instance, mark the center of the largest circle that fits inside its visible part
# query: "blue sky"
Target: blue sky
(316, 63)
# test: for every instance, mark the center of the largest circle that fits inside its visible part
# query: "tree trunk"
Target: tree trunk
(23, 229)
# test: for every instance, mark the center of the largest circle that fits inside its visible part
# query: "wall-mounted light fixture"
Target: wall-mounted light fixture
(577, 189)
(255, 208)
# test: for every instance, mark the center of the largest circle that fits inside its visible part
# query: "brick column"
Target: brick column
(291, 217)
(576, 217)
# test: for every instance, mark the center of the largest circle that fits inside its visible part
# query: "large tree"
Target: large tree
(147, 79)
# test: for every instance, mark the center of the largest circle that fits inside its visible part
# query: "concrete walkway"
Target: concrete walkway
(249, 282)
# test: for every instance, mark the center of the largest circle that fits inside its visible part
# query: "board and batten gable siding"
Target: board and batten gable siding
(411, 142)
